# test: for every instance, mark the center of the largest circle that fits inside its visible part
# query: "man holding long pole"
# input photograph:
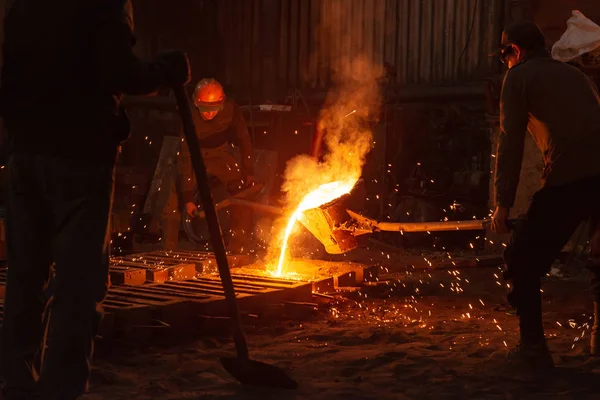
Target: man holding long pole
(560, 107)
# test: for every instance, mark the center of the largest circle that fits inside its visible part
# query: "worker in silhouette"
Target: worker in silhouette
(220, 126)
(66, 65)
(560, 107)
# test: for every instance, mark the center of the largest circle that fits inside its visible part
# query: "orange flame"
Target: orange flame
(322, 195)
(345, 123)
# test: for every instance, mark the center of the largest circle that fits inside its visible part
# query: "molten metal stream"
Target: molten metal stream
(322, 195)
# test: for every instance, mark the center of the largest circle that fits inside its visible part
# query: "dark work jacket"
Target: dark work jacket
(228, 126)
(559, 105)
(66, 65)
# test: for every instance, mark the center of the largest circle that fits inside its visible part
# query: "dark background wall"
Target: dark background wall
(264, 48)
(552, 15)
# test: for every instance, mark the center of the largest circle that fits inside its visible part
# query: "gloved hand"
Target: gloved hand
(191, 208)
(499, 220)
(176, 66)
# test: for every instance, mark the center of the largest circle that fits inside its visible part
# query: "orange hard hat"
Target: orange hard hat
(209, 95)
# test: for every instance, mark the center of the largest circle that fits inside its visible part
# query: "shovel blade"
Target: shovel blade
(255, 373)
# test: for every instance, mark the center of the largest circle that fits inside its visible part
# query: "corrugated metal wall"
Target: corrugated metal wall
(428, 41)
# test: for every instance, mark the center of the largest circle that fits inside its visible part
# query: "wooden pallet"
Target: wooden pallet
(124, 274)
(327, 277)
(161, 266)
(181, 303)
(205, 261)
(185, 304)
(122, 269)
(290, 290)
(120, 273)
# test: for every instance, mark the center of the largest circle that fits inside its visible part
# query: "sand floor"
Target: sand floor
(425, 335)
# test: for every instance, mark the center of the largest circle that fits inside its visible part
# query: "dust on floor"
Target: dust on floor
(383, 343)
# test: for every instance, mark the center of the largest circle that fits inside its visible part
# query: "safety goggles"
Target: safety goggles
(504, 52)
(206, 107)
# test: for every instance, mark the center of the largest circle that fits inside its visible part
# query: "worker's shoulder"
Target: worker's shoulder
(524, 68)
(533, 69)
(546, 64)
(515, 75)
(231, 106)
(229, 102)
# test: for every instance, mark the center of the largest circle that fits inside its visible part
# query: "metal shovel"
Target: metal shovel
(242, 368)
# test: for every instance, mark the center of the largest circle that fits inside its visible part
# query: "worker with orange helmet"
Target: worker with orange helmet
(220, 126)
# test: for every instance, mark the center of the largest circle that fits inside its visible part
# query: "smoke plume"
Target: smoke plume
(349, 112)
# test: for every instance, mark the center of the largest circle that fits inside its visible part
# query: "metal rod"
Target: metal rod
(365, 225)
(469, 225)
(212, 220)
(258, 206)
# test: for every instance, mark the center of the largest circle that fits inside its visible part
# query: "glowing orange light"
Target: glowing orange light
(322, 195)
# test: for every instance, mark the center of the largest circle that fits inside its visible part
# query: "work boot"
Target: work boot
(595, 339)
(534, 357)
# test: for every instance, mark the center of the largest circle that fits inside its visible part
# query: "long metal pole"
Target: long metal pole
(468, 225)
(240, 202)
(212, 220)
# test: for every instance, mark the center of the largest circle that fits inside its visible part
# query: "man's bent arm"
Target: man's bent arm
(514, 117)
(118, 68)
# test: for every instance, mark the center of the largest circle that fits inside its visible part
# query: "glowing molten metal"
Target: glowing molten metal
(322, 195)
(344, 127)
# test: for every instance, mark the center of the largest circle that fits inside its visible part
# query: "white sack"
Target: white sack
(582, 36)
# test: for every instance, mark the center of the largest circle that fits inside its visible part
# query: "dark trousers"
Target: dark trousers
(552, 218)
(57, 212)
